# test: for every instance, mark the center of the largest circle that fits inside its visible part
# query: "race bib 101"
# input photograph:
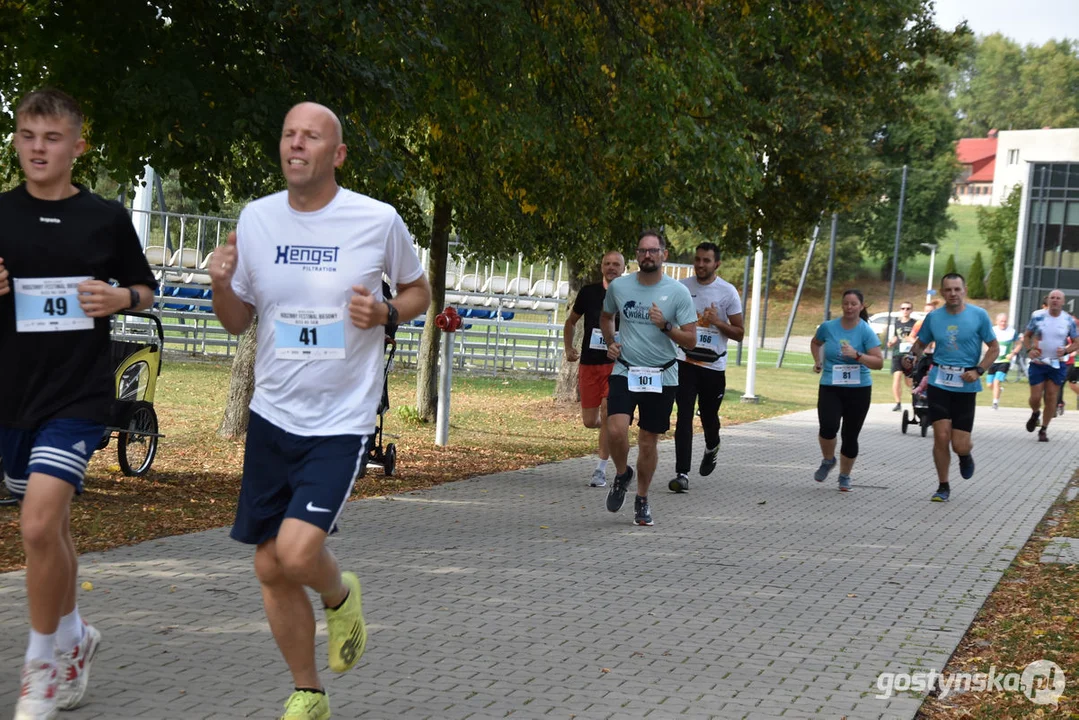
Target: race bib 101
(49, 305)
(645, 379)
(309, 334)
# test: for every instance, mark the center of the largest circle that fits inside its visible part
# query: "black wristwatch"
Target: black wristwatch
(667, 327)
(980, 370)
(135, 298)
(391, 313)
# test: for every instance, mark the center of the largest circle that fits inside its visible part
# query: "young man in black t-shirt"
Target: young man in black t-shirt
(595, 366)
(60, 245)
(901, 342)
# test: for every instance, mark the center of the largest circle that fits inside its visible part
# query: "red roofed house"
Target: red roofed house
(978, 156)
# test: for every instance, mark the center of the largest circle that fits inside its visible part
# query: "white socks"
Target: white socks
(69, 631)
(41, 648)
(602, 465)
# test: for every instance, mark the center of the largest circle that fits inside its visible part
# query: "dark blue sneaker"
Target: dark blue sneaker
(680, 483)
(966, 466)
(642, 514)
(822, 472)
(941, 496)
(616, 496)
(844, 483)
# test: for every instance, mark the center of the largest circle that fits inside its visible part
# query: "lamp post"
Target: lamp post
(932, 256)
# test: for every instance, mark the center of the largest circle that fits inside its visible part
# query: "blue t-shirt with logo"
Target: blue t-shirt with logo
(644, 344)
(959, 337)
(833, 335)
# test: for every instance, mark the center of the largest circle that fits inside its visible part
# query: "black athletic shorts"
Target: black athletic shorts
(955, 406)
(999, 367)
(653, 409)
(1073, 373)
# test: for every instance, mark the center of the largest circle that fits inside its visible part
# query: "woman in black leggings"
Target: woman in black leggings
(846, 349)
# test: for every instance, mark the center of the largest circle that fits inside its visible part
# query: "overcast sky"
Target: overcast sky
(1025, 21)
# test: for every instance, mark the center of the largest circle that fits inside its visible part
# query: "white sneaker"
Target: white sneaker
(75, 669)
(37, 699)
(996, 405)
(599, 478)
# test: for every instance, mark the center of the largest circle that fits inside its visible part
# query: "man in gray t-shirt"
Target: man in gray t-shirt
(655, 312)
(702, 371)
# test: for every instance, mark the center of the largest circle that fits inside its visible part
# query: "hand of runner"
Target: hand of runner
(99, 299)
(847, 350)
(817, 366)
(364, 310)
(572, 355)
(614, 351)
(656, 316)
(970, 376)
(710, 314)
(5, 286)
(223, 263)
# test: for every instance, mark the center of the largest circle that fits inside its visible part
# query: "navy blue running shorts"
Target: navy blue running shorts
(294, 476)
(60, 448)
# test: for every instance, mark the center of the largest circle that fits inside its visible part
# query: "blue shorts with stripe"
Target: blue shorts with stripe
(294, 476)
(60, 448)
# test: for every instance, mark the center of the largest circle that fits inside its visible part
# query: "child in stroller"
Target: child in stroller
(919, 378)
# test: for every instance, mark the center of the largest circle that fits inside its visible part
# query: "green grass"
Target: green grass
(963, 242)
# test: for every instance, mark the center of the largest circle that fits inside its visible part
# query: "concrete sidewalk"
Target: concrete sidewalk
(759, 594)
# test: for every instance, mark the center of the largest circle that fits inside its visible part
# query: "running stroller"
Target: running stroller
(386, 457)
(918, 400)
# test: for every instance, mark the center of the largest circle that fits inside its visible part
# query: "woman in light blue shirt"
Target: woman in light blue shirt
(846, 349)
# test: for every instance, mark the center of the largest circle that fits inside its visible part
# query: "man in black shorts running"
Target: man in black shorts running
(958, 330)
(655, 311)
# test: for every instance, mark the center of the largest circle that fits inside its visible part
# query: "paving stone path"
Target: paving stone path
(759, 594)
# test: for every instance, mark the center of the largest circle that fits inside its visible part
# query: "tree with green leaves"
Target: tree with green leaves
(949, 266)
(976, 278)
(999, 225)
(999, 288)
(1004, 86)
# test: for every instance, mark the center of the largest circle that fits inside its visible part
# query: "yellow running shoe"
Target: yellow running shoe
(348, 634)
(307, 705)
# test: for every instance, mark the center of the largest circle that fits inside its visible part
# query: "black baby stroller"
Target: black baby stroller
(918, 400)
(385, 458)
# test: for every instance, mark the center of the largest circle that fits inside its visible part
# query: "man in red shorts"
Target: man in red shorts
(595, 366)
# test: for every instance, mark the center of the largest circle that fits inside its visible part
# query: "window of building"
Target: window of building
(1013, 156)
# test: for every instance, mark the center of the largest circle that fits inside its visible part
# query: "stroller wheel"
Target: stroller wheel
(906, 421)
(389, 462)
(925, 424)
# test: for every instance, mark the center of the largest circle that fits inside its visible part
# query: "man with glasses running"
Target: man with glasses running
(901, 341)
(655, 311)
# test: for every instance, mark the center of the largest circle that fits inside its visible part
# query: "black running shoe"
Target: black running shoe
(1033, 421)
(616, 496)
(708, 462)
(966, 466)
(1042, 437)
(680, 483)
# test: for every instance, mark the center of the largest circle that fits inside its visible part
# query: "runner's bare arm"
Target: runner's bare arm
(734, 328)
(567, 336)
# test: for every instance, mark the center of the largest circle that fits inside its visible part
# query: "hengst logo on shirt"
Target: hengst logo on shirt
(49, 220)
(309, 257)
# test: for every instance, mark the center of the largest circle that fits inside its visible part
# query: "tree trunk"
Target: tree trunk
(427, 360)
(241, 387)
(565, 389)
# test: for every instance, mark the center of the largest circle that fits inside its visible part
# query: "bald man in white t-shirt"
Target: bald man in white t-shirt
(309, 262)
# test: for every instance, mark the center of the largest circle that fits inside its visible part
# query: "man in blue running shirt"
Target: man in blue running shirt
(958, 329)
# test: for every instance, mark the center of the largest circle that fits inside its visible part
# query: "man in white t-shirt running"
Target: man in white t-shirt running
(1050, 335)
(309, 262)
(1009, 347)
(702, 371)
